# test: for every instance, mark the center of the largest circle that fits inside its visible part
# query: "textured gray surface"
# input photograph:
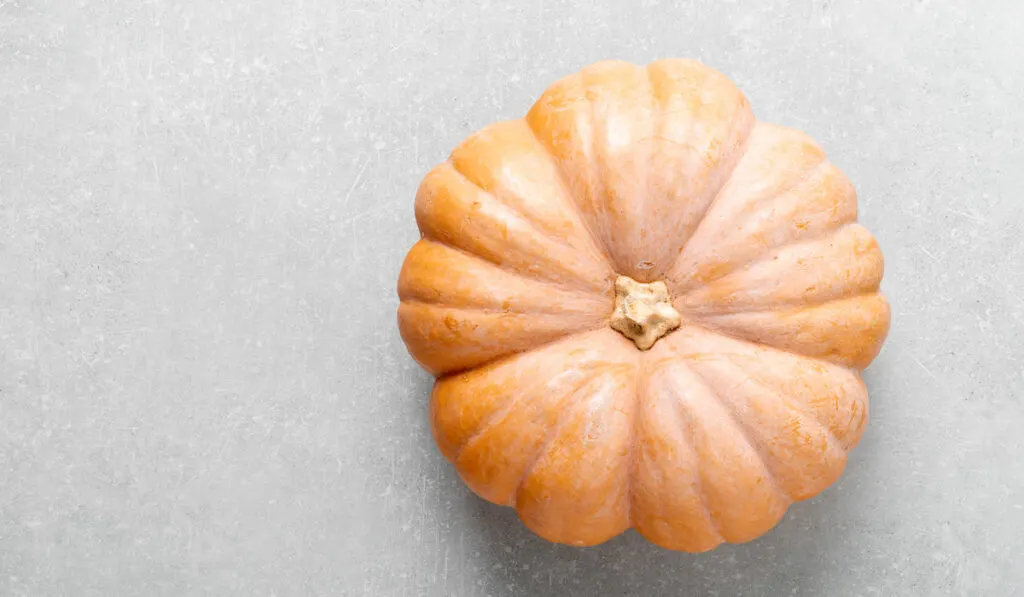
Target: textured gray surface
(203, 209)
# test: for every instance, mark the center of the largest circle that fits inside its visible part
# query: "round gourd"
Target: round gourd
(644, 308)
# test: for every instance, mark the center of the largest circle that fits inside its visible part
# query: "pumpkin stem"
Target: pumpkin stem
(643, 312)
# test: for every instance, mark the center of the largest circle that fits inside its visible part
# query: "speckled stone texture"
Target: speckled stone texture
(203, 210)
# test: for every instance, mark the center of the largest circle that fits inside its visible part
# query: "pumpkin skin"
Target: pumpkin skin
(660, 174)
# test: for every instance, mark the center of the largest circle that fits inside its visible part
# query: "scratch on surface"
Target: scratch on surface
(365, 214)
(969, 216)
(409, 39)
(355, 182)
(327, 251)
(927, 252)
(320, 71)
(926, 369)
(297, 241)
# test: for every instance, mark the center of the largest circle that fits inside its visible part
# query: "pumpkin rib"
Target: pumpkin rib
(747, 359)
(595, 238)
(573, 397)
(550, 328)
(544, 344)
(744, 147)
(699, 488)
(514, 209)
(631, 457)
(863, 275)
(810, 419)
(461, 402)
(505, 133)
(520, 215)
(502, 485)
(846, 445)
(779, 307)
(499, 415)
(594, 158)
(511, 272)
(662, 113)
(760, 382)
(569, 276)
(742, 427)
(697, 324)
(711, 158)
(596, 166)
(873, 333)
(645, 171)
(771, 486)
(575, 493)
(767, 254)
(605, 158)
(772, 196)
(832, 439)
(657, 126)
(432, 274)
(594, 227)
(666, 462)
(443, 326)
(554, 310)
(569, 204)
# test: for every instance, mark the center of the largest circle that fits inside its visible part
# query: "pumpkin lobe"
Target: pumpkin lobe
(643, 312)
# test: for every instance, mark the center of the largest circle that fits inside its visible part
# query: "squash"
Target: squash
(644, 309)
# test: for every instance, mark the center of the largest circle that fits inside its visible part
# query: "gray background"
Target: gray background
(203, 210)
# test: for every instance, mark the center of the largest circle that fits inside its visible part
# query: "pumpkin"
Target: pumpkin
(644, 309)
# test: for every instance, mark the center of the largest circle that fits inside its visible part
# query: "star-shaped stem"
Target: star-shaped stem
(643, 312)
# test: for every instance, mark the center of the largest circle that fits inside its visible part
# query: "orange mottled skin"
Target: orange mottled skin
(658, 173)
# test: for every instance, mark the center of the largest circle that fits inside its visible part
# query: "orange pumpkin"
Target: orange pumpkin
(644, 309)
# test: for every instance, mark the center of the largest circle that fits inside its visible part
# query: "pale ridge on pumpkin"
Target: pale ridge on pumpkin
(839, 264)
(461, 403)
(718, 169)
(492, 158)
(621, 103)
(743, 208)
(575, 492)
(740, 423)
(845, 331)
(520, 451)
(741, 496)
(669, 505)
(796, 475)
(590, 172)
(577, 136)
(437, 274)
(780, 370)
(485, 220)
(457, 399)
(468, 334)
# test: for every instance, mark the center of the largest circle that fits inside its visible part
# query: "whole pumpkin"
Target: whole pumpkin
(644, 309)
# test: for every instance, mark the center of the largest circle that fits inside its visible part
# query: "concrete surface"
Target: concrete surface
(203, 209)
